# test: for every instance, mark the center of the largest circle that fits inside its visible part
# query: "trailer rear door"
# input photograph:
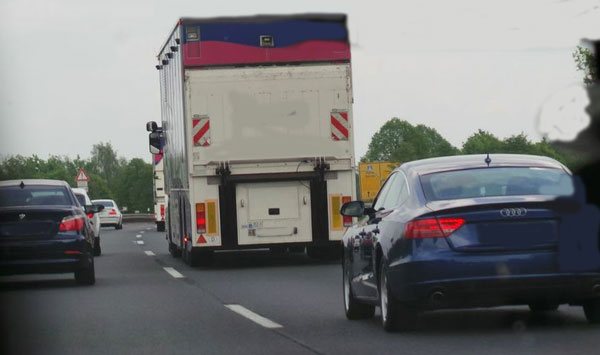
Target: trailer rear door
(274, 212)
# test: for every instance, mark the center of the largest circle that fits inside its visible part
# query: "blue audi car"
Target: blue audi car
(472, 231)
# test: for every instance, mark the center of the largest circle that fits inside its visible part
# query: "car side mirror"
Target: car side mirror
(353, 209)
(93, 208)
(155, 142)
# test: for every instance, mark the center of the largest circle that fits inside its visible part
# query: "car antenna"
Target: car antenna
(22, 185)
(488, 160)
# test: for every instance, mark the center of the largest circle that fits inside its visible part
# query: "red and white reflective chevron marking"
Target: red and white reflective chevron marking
(339, 125)
(201, 131)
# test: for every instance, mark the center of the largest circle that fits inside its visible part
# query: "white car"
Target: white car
(110, 216)
(84, 200)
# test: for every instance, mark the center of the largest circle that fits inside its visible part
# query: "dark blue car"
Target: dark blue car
(472, 231)
(44, 229)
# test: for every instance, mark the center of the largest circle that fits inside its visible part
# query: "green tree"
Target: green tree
(584, 61)
(399, 141)
(482, 142)
(133, 186)
(98, 188)
(104, 162)
(517, 144)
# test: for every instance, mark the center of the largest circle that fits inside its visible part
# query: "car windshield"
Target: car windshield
(34, 195)
(104, 203)
(472, 183)
(81, 199)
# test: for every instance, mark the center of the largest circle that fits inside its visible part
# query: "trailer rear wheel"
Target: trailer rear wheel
(174, 250)
(160, 226)
(330, 252)
(198, 257)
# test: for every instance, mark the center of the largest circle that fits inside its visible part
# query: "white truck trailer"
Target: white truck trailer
(258, 134)
(159, 193)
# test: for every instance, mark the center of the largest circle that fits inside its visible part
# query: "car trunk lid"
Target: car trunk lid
(498, 224)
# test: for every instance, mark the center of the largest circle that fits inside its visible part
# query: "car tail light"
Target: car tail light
(432, 227)
(90, 215)
(113, 212)
(200, 218)
(72, 223)
(347, 219)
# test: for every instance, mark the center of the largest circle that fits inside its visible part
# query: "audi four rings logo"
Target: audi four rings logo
(513, 212)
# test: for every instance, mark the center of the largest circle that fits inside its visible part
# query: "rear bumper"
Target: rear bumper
(490, 280)
(42, 256)
(109, 220)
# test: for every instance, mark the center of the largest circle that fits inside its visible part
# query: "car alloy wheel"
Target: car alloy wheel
(394, 315)
(353, 308)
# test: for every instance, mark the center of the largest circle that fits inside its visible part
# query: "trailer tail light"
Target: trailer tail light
(432, 227)
(71, 223)
(162, 211)
(212, 226)
(200, 218)
(347, 219)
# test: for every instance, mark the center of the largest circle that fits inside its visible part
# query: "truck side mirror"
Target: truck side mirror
(155, 145)
(151, 126)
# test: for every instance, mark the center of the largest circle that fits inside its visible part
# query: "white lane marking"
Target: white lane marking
(142, 232)
(138, 236)
(140, 242)
(148, 228)
(256, 318)
(173, 272)
(149, 253)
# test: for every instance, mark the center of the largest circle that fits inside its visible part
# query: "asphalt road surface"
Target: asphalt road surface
(147, 302)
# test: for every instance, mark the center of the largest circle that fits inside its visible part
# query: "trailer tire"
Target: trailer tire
(196, 257)
(328, 253)
(174, 250)
(160, 226)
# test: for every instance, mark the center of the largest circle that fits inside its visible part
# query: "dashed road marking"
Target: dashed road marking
(142, 232)
(148, 228)
(138, 236)
(256, 318)
(140, 242)
(149, 253)
(176, 274)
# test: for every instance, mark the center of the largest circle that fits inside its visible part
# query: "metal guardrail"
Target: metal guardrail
(138, 217)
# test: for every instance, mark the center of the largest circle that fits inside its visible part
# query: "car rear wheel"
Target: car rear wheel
(394, 315)
(97, 248)
(592, 311)
(86, 274)
(354, 309)
(119, 226)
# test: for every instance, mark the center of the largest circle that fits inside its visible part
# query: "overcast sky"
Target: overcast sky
(74, 73)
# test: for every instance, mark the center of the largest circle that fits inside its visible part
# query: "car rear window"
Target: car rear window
(80, 198)
(34, 195)
(471, 183)
(104, 203)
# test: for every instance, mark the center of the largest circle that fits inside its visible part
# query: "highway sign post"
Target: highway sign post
(82, 179)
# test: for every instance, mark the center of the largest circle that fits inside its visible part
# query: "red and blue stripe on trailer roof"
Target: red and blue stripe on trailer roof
(294, 40)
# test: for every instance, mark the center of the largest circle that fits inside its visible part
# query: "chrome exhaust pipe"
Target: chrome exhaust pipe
(438, 298)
